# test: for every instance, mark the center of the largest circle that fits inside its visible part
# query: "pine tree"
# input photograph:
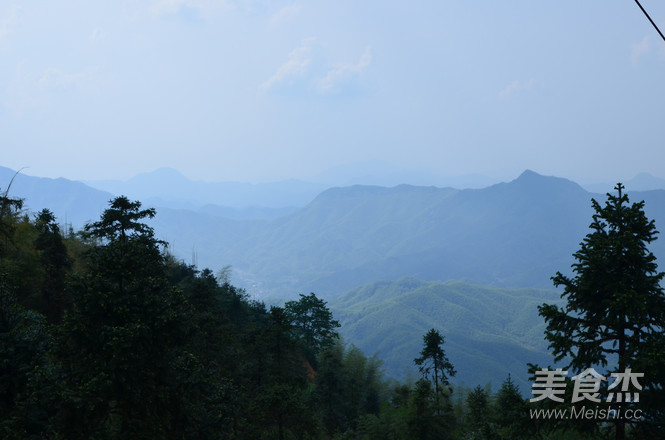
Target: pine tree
(434, 363)
(120, 347)
(615, 308)
(510, 412)
(478, 404)
(55, 262)
(313, 325)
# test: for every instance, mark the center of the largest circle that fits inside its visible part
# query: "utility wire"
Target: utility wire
(654, 24)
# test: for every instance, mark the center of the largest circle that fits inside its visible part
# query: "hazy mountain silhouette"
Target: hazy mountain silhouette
(169, 188)
(72, 202)
(383, 173)
(512, 234)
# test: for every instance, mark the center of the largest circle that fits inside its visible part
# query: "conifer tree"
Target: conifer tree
(313, 324)
(478, 403)
(120, 346)
(55, 263)
(434, 363)
(510, 413)
(615, 307)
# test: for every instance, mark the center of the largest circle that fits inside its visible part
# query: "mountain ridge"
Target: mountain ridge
(510, 234)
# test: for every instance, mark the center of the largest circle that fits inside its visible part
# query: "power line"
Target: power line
(652, 22)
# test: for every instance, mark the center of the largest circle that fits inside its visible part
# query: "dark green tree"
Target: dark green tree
(23, 342)
(510, 413)
(615, 307)
(9, 211)
(433, 362)
(281, 398)
(425, 420)
(121, 349)
(478, 404)
(332, 391)
(55, 262)
(313, 324)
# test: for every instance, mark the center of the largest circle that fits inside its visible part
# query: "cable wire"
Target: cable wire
(652, 22)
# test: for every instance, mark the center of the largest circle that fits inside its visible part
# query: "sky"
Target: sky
(257, 90)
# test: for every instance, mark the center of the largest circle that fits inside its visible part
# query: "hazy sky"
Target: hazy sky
(263, 90)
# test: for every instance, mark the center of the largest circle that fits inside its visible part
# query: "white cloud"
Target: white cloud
(296, 66)
(640, 49)
(342, 73)
(284, 15)
(516, 86)
(8, 23)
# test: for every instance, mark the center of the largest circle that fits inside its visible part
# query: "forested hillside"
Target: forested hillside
(489, 331)
(105, 335)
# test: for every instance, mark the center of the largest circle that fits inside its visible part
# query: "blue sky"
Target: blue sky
(265, 90)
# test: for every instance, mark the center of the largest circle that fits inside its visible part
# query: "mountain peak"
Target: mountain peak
(533, 182)
(529, 174)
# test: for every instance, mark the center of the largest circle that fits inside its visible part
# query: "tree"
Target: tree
(23, 341)
(615, 308)
(120, 347)
(478, 403)
(281, 396)
(510, 412)
(9, 210)
(55, 262)
(313, 324)
(434, 362)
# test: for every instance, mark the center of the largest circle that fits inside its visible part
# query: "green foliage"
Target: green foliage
(348, 386)
(490, 332)
(138, 345)
(478, 404)
(433, 362)
(121, 344)
(9, 211)
(615, 307)
(23, 342)
(313, 324)
(510, 413)
(56, 264)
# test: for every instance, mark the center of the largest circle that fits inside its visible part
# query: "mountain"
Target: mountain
(403, 244)
(511, 234)
(72, 202)
(489, 332)
(514, 234)
(169, 188)
(382, 173)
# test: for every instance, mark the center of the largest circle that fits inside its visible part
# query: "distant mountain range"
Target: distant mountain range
(383, 257)
(169, 188)
(73, 202)
(514, 234)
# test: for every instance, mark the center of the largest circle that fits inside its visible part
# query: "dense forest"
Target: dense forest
(105, 335)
